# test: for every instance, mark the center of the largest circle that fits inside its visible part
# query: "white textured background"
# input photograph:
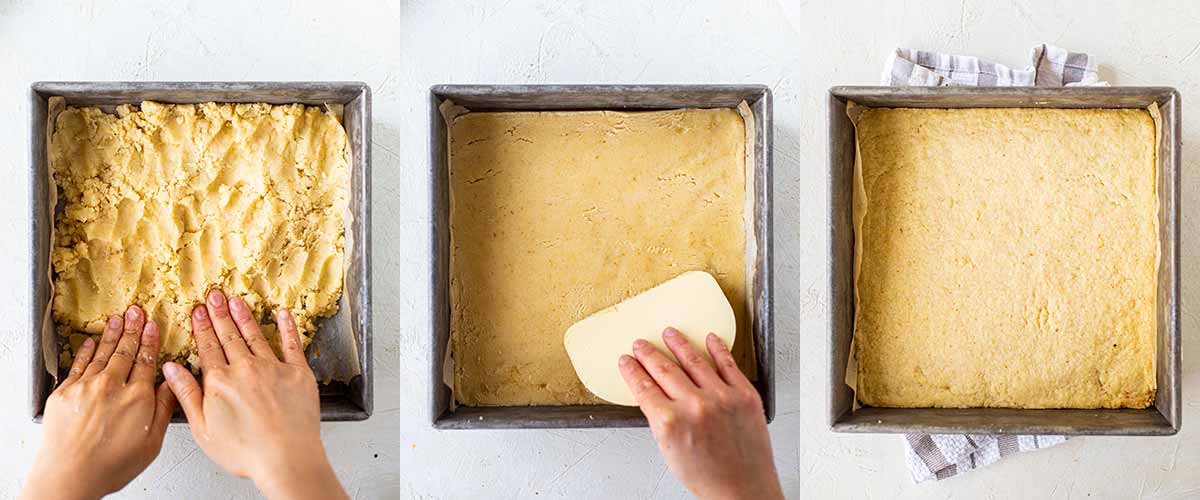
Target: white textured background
(798, 48)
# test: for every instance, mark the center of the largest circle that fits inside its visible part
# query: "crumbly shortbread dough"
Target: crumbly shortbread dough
(163, 203)
(1008, 259)
(557, 215)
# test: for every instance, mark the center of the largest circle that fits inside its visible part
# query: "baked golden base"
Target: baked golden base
(1008, 258)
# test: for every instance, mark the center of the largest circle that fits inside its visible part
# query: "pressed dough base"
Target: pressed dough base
(1008, 258)
(165, 202)
(557, 215)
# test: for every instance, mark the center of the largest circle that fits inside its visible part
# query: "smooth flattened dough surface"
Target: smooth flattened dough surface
(1009, 258)
(164, 202)
(692, 303)
(557, 215)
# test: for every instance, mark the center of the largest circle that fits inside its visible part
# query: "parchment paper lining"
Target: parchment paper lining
(859, 212)
(333, 352)
(50, 343)
(450, 111)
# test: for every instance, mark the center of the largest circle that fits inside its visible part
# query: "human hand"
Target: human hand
(256, 416)
(105, 422)
(709, 423)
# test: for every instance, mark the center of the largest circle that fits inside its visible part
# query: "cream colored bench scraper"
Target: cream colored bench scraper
(692, 303)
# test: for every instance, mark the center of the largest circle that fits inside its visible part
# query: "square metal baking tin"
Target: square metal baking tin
(339, 401)
(1163, 418)
(589, 97)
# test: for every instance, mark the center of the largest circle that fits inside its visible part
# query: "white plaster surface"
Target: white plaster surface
(798, 48)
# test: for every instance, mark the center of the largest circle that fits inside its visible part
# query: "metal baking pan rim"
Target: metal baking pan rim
(613, 97)
(354, 401)
(1153, 421)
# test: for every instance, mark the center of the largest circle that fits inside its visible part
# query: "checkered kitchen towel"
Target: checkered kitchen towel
(939, 456)
(1051, 67)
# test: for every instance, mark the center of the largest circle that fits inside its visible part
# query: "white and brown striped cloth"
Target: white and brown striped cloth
(939, 456)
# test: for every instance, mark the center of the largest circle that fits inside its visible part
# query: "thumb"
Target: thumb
(164, 407)
(188, 392)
